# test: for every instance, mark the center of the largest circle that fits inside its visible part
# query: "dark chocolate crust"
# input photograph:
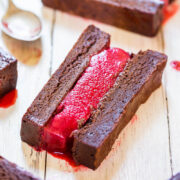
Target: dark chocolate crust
(140, 16)
(176, 177)
(10, 171)
(133, 86)
(8, 72)
(45, 104)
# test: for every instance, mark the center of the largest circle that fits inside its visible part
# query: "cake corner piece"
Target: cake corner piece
(8, 72)
(176, 177)
(11, 171)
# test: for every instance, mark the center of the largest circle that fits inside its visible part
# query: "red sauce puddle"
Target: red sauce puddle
(9, 99)
(170, 11)
(67, 156)
(175, 65)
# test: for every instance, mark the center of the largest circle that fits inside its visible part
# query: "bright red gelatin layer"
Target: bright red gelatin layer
(77, 106)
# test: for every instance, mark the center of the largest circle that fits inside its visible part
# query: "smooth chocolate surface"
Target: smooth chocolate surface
(91, 42)
(134, 85)
(8, 72)
(140, 16)
(10, 171)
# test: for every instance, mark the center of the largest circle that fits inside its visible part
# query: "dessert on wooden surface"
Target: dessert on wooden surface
(10, 171)
(140, 16)
(90, 98)
(8, 72)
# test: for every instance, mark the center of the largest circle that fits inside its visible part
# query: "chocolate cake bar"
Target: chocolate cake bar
(140, 16)
(10, 171)
(92, 140)
(39, 113)
(176, 177)
(8, 72)
(133, 86)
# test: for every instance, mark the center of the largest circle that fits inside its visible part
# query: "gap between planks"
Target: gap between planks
(167, 109)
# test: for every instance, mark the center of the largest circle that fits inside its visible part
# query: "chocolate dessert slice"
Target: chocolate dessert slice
(8, 72)
(91, 42)
(91, 98)
(140, 16)
(141, 76)
(10, 171)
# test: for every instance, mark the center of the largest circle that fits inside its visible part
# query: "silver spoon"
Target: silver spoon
(20, 24)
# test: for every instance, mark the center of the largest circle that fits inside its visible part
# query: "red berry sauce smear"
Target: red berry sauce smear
(9, 99)
(76, 108)
(170, 10)
(175, 65)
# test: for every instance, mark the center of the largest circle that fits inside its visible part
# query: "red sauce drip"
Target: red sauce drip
(170, 10)
(175, 65)
(67, 156)
(77, 106)
(134, 119)
(9, 99)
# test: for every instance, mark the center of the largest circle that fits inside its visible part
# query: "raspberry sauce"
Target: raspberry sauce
(78, 105)
(169, 10)
(9, 99)
(175, 65)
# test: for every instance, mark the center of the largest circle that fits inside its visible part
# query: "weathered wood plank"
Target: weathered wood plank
(172, 79)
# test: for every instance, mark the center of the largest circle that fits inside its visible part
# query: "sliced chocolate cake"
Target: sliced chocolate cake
(91, 98)
(8, 72)
(10, 171)
(140, 16)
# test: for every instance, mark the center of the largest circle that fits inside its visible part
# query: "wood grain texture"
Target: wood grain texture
(172, 79)
(148, 148)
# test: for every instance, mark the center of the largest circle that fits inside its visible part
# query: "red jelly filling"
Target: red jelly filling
(77, 106)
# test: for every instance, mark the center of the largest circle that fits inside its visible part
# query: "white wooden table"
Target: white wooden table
(149, 148)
